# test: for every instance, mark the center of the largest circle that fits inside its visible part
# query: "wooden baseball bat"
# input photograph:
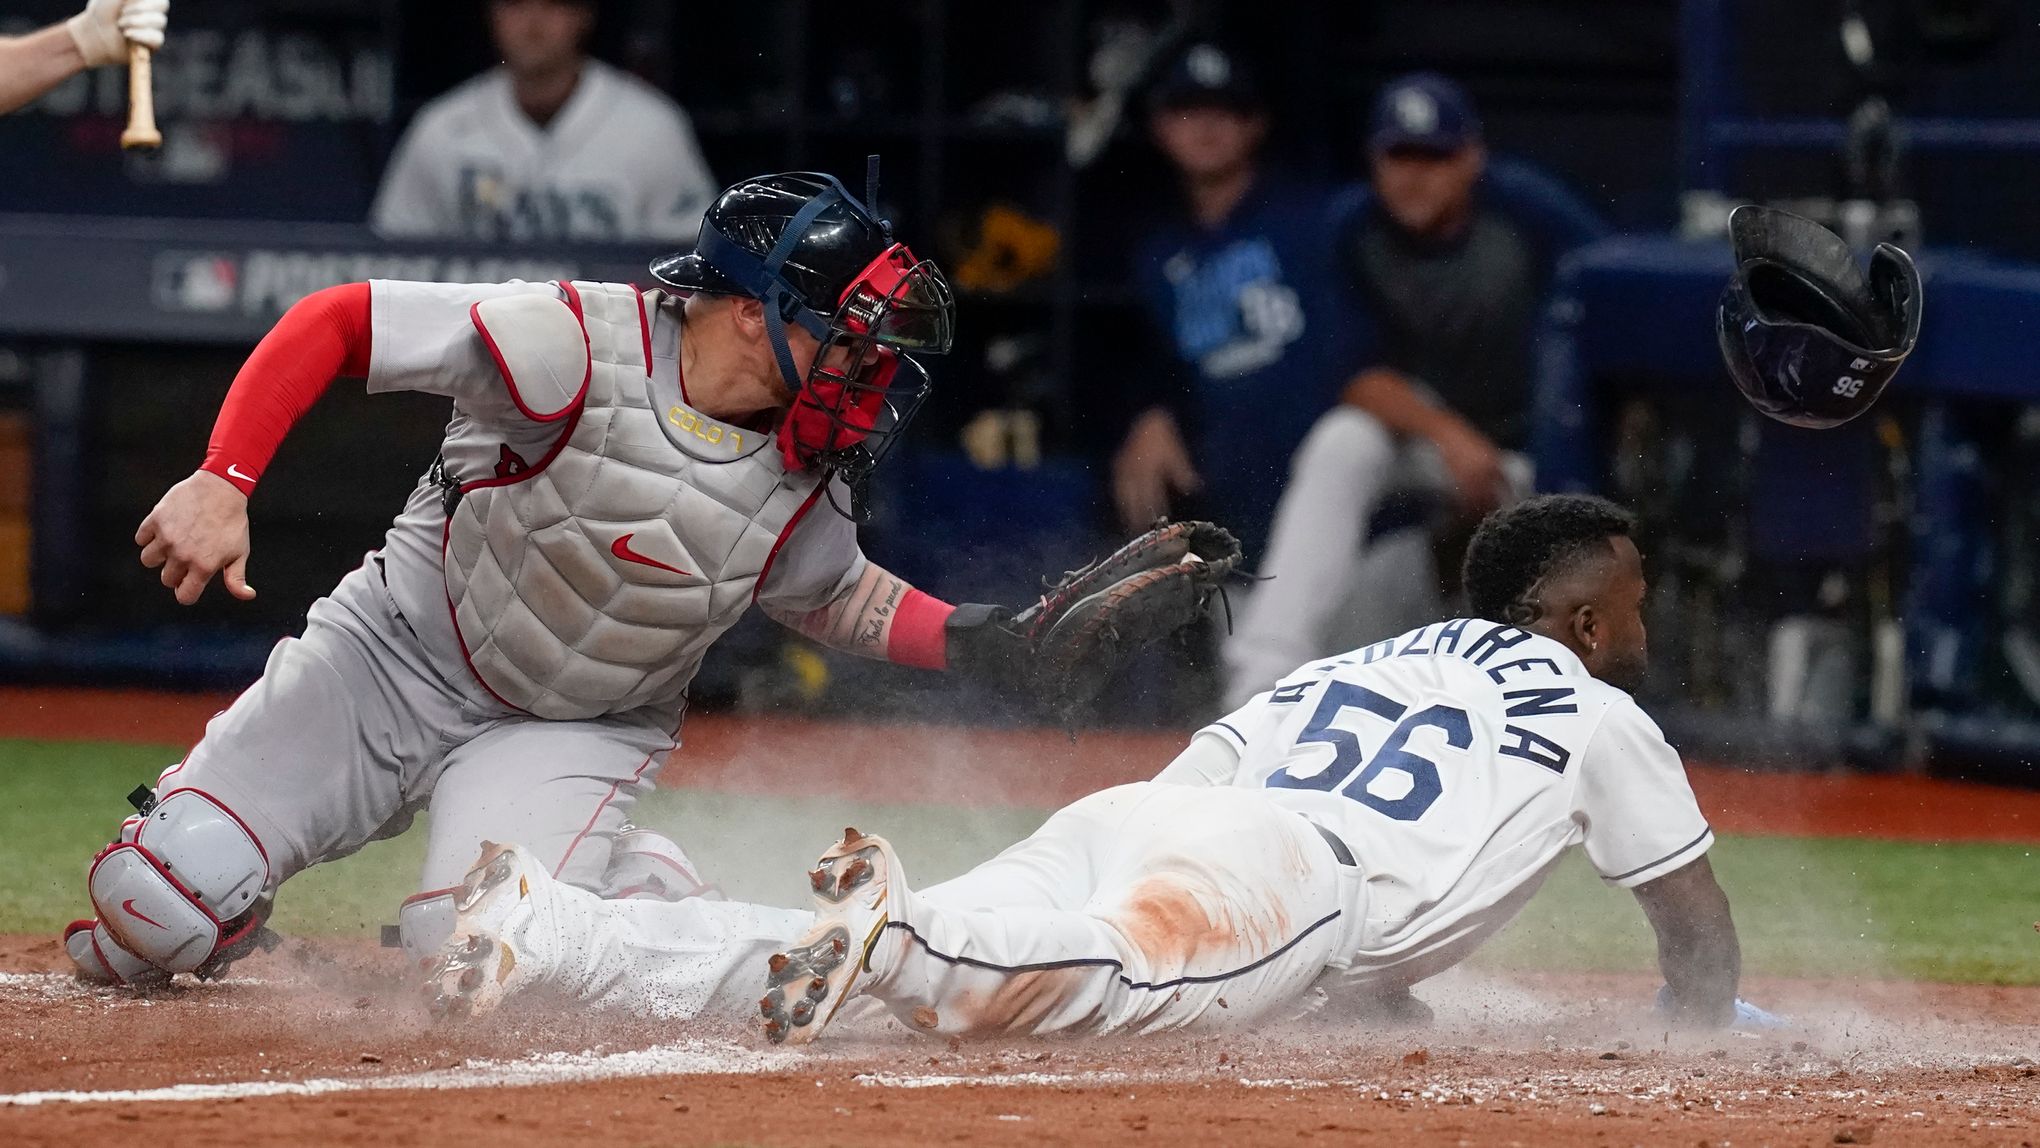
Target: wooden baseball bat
(141, 126)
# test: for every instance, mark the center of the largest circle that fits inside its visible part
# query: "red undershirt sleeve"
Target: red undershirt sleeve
(324, 336)
(919, 636)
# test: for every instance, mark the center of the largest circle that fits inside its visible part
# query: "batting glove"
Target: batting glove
(105, 28)
(1748, 1017)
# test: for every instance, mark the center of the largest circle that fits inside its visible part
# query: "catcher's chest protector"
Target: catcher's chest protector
(593, 581)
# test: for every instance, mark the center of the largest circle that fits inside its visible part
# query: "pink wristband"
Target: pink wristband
(918, 636)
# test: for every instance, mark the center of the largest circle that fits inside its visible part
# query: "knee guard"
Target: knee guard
(101, 961)
(186, 888)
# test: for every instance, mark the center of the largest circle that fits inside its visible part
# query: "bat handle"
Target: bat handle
(141, 126)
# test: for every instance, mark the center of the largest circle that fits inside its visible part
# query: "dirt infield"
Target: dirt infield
(319, 1045)
(1044, 769)
(323, 1043)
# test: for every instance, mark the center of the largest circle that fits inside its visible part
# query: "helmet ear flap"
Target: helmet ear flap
(1895, 295)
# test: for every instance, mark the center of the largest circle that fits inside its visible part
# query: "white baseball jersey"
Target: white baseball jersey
(618, 162)
(1458, 762)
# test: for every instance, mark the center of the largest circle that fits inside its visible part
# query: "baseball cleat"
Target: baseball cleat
(806, 985)
(480, 963)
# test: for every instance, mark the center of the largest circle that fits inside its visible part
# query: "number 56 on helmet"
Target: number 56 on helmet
(1808, 338)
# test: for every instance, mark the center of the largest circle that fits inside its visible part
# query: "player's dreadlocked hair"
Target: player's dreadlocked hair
(1517, 548)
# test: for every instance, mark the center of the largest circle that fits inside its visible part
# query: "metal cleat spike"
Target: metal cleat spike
(854, 874)
(778, 963)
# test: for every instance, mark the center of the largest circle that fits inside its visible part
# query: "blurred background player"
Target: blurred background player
(95, 38)
(1240, 292)
(1448, 258)
(549, 146)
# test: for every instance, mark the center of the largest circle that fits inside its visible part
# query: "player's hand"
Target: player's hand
(105, 28)
(1151, 466)
(1475, 464)
(199, 529)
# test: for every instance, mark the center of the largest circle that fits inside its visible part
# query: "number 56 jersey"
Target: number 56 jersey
(1459, 762)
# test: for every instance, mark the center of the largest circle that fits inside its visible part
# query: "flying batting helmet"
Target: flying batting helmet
(1807, 337)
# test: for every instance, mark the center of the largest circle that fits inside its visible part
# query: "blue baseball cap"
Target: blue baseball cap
(1205, 76)
(1425, 111)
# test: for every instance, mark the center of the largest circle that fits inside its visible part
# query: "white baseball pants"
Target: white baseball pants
(1140, 908)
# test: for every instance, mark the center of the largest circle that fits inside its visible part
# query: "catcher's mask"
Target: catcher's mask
(817, 257)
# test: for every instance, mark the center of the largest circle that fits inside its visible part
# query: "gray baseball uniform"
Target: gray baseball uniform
(521, 663)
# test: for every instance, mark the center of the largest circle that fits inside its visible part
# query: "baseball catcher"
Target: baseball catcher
(625, 472)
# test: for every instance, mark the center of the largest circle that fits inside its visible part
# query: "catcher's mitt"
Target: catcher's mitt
(1066, 645)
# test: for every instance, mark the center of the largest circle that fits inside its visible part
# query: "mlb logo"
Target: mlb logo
(1416, 111)
(205, 281)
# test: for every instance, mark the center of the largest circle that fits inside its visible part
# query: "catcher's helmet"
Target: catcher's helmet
(1806, 336)
(818, 257)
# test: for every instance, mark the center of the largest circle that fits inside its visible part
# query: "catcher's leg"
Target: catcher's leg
(562, 793)
(1337, 477)
(302, 768)
(1171, 900)
(561, 789)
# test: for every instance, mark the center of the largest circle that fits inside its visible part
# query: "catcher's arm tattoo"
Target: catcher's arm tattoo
(860, 620)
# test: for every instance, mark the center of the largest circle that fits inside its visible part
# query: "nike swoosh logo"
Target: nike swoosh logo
(234, 471)
(129, 906)
(621, 548)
